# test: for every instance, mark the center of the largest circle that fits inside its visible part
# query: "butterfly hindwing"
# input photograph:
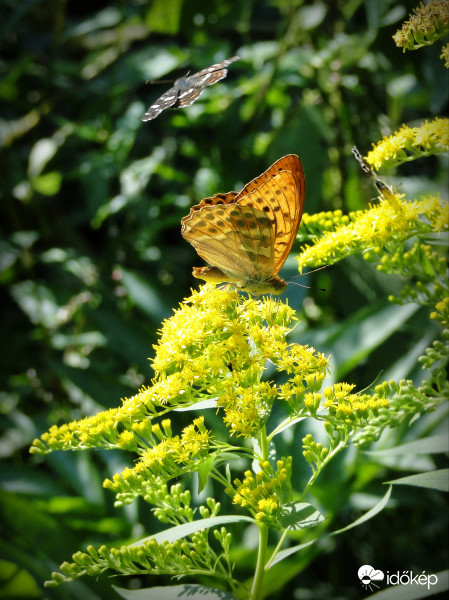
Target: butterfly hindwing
(165, 101)
(236, 239)
(187, 97)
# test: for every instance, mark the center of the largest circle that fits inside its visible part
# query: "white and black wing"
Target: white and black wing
(210, 75)
(187, 89)
(187, 96)
(165, 101)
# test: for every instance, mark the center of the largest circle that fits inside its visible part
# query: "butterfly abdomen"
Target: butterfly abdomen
(256, 285)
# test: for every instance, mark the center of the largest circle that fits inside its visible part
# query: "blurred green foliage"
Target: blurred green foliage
(92, 258)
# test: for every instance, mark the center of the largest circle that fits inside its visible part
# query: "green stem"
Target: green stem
(277, 549)
(264, 443)
(260, 567)
(263, 533)
(328, 458)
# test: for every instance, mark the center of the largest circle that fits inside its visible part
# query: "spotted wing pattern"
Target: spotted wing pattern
(187, 89)
(247, 236)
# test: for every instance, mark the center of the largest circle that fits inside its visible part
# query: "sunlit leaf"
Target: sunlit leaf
(175, 592)
(435, 480)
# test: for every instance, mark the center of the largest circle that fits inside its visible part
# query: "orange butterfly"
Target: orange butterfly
(247, 236)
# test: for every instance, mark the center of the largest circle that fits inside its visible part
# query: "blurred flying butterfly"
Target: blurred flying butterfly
(383, 188)
(187, 89)
(247, 236)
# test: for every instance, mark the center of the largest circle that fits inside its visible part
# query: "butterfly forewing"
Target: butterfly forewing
(228, 198)
(212, 74)
(187, 89)
(279, 199)
(290, 163)
(200, 80)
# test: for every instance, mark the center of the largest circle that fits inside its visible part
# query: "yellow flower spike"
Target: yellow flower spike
(215, 346)
(312, 401)
(388, 224)
(260, 476)
(166, 424)
(441, 312)
(348, 408)
(237, 499)
(410, 143)
(127, 441)
(429, 23)
(267, 505)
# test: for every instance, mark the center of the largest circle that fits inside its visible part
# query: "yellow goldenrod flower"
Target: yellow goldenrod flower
(441, 312)
(429, 23)
(348, 407)
(386, 225)
(410, 143)
(265, 493)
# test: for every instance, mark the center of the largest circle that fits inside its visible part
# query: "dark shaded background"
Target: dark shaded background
(93, 260)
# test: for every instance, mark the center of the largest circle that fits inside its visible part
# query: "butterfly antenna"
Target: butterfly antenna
(309, 287)
(164, 80)
(157, 81)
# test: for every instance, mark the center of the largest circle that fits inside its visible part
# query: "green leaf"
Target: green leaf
(359, 335)
(17, 582)
(180, 531)
(434, 480)
(203, 472)
(312, 16)
(298, 515)
(144, 295)
(48, 184)
(201, 405)
(107, 17)
(288, 552)
(437, 239)
(228, 473)
(435, 444)
(285, 425)
(172, 592)
(369, 515)
(164, 17)
(365, 332)
(40, 154)
(37, 302)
